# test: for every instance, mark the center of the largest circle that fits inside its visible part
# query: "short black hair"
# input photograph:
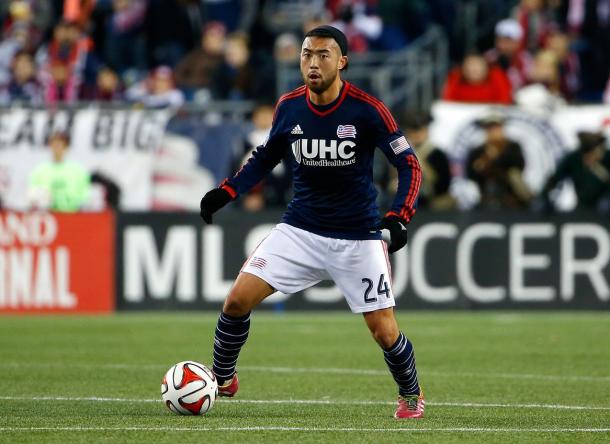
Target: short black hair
(331, 32)
(589, 140)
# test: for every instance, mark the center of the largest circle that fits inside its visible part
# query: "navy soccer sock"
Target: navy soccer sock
(401, 362)
(231, 335)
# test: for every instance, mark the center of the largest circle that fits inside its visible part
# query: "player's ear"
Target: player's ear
(342, 63)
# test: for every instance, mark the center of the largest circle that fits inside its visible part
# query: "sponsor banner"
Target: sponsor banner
(117, 143)
(56, 263)
(453, 260)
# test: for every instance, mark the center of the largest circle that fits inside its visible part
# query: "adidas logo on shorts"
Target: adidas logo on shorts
(296, 130)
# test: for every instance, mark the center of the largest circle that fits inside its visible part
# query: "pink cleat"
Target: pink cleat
(229, 388)
(411, 406)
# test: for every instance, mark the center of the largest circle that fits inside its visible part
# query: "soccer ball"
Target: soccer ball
(189, 388)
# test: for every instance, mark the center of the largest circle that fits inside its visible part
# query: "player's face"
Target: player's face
(58, 148)
(321, 61)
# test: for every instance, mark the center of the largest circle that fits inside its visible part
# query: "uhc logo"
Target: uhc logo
(320, 152)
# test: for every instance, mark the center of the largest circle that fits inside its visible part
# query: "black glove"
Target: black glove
(213, 201)
(398, 232)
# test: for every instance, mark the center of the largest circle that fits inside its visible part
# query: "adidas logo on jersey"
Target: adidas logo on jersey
(296, 130)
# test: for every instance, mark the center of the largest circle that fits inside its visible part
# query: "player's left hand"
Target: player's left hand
(398, 233)
(213, 201)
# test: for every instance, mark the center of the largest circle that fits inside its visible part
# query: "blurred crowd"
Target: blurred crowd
(168, 52)
(552, 48)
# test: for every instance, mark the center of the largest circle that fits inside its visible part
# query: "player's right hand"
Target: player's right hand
(213, 201)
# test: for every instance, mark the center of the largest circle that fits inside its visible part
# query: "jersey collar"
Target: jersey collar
(339, 101)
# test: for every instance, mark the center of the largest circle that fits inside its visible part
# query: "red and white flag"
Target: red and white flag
(344, 131)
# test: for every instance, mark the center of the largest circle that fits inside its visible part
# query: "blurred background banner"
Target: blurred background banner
(50, 264)
(157, 158)
(544, 136)
(478, 259)
(118, 143)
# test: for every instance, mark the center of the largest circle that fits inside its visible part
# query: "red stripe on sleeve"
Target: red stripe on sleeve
(228, 188)
(379, 106)
(408, 211)
(292, 94)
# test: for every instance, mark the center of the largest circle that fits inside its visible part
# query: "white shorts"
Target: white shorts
(291, 260)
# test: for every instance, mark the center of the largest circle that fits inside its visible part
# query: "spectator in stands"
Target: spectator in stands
(59, 185)
(568, 65)
(287, 49)
(197, 70)
(508, 54)
(68, 45)
(157, 90)
(23, 86)
(125, 45)
(545, 72)
(476, 81)
(588, 168)
(497, 166)
(107, 88)
(286, 54)
(60, 83)
(16, 40)
(34, 16)
(79, 12)
(65, 63)
(535, 23)
(236, 79)
(434, 190)
(358, 26)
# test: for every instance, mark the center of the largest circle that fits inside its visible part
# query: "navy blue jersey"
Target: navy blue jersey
(331, 155)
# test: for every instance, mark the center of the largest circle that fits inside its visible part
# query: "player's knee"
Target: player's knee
(236, 307)
(384, 337)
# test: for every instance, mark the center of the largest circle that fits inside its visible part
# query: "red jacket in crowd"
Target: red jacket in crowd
(495, 89)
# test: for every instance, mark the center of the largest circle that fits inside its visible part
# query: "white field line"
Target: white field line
(305, 429)
(371, 372)
(308, 402)
(321, 370)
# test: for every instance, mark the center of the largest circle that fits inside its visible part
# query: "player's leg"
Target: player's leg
(247, 292)
(397, 349)
(383, 326)
(233, 327)
(400, 357)
(361, 269)
(285, 261)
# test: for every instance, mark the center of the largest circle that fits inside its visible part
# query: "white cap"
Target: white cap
(509, 28)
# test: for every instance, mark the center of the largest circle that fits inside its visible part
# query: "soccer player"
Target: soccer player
(332, 228)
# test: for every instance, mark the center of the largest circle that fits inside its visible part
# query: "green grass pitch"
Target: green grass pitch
(309, 377)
